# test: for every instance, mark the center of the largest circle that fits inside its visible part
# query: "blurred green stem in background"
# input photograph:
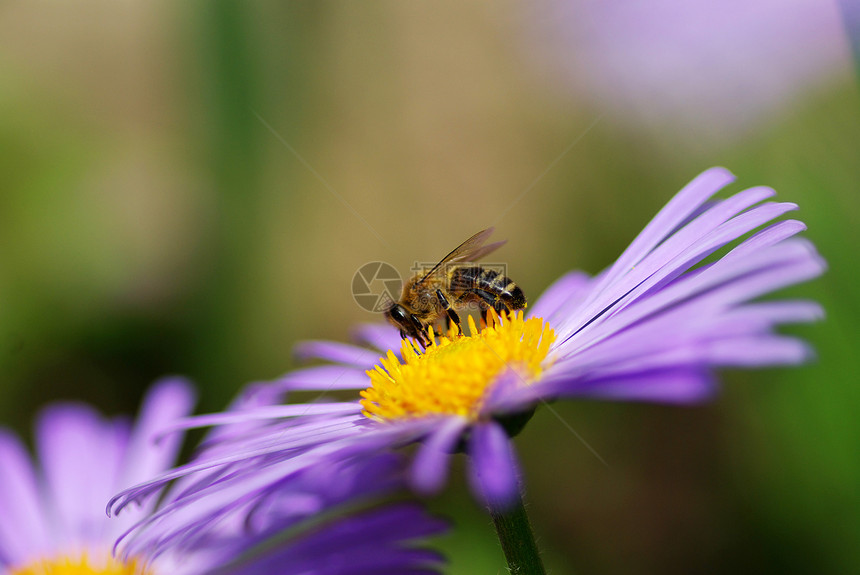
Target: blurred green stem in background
(517, 539)
(234, 160)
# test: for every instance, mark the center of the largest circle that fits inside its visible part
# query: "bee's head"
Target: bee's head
(400, 317)
(408, 324)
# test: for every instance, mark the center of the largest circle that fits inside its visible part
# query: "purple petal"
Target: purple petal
(375, 542)
(166, 401)
(571, 286)
(758, 351)
(676, 254)
(664, 386)
(212, 498)
(785, 264)
(493, 469)
(73, 440)
(722, 215)
(710, 243)
(505, 396)
(233, 489)
(260, 413)
(312, 436)
(679, 208)
(23, 531)
(337, 353)
(767, 237)
(430, 466)
(757, 274)
(699, 321)
(381, 336)
(785, 311)
(290, 434)
(322, 378)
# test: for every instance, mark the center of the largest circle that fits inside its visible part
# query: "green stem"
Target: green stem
(518, 541)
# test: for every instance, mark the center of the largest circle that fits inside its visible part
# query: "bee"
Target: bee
(451, 285)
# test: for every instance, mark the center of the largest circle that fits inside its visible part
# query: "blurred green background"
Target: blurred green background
(188, 188)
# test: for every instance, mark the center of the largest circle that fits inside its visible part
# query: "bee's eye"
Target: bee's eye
(398, 314)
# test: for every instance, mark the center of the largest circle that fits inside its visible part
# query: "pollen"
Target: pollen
(455, 372)
(81, 565)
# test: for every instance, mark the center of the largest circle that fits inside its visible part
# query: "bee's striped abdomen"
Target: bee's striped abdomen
(487, 282)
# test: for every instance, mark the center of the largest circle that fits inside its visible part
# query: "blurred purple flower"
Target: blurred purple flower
(716, 67)
(652, 327)
(52, 509)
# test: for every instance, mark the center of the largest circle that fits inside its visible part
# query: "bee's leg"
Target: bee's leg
(490, 301)
(453, 316)
(420, 334)
(404, 335)
(415, 347)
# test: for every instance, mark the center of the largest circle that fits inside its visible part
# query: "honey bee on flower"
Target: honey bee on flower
(451, 285)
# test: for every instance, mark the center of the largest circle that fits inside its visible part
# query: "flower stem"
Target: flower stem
(518, 541)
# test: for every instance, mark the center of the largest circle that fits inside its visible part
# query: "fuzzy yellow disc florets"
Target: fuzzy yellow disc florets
(81, 565)
(454, 373)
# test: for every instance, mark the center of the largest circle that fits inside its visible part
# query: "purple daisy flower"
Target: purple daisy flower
(652, 327)
(52, 510)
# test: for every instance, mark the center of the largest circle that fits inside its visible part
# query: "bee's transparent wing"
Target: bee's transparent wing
(471, 250)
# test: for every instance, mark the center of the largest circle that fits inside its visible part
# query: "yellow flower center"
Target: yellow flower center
(454, 373)
(81, 566)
